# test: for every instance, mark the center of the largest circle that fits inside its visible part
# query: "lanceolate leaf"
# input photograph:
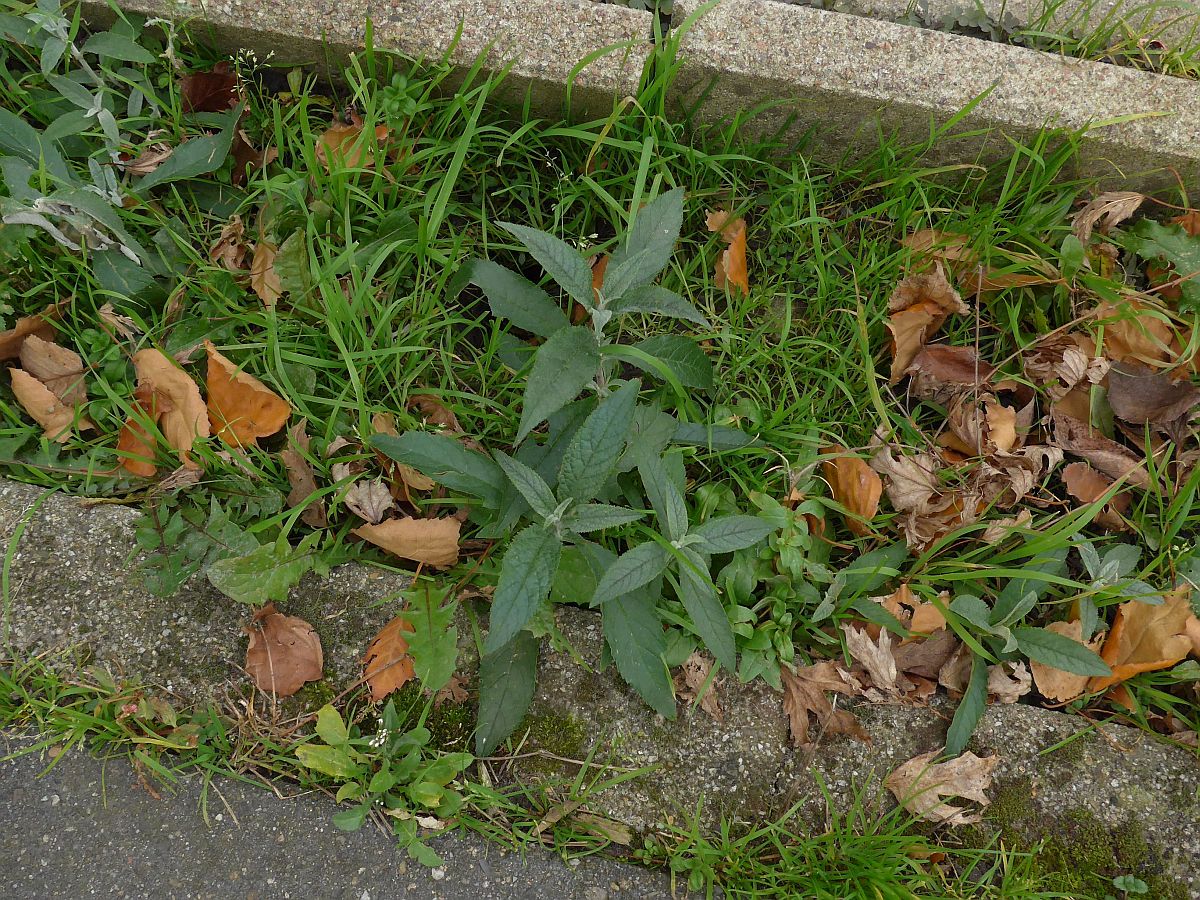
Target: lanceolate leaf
(728, 533)
(655, 300)
(595, 516)
(1016, 593)
(446, 461)
(535, 491)
(632, 570)
(562, 261)
(712, 437)
(593, 454)
(563, 367)
(1059, 651)
(970, 709)
(635, 639)
(648, 247)
(664, 497)
(707, 613)
(195, 157)
(683, 356)
(526, 573)
(517, 299)
(507, 678)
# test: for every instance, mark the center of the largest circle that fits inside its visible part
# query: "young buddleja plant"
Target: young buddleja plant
(575, 501)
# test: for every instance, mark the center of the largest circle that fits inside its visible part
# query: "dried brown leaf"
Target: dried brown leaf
(135, 446)
(926, 657)
(242, 409)
(1142, 396)
(58, 368)
(178, 407)
(454, 691)
(695, 685)
(1136, 332)
(263, 277)
(805, 703)
(370, 500)
(284, 652)
(122, 326)
(301, 477)
(874, 656)
(964, 261)
(433, 542)
(433, 412)
(388, 667)
(148, 160)
(346, 146)
(1008, 682)
(855, 485)
(918, 306)
(731, 270)
(1055, 684)
(1111, 458)
(44, 407)
(229, 250)
(920, 784)
(1146, 638)
(1087, 486)
(40, 324)
(1106, 211)
(212, 91)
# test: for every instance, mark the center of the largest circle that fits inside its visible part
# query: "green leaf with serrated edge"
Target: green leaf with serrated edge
(351, 819)
(649, 436)
(576, 578)
(526, 573)
(195, 157)
(516, 298)
(872, 569)
(433, 642)
(24, 141)
(118, 46)
(664, 497)
(596, 516)
(1059, 651)
(682, 356)
(446, 461)
(332, 761)
(1151, 240)
(563, 262)
(704, 607)
(725, 534)
(330, 727)
(970, 709)
(507, 678)
(714, 438)
(262, 576)
(591, 459)
(632, 570)
(560, 430)
(635, 639)
(652, 299)
(563, 366)
(651, 239)
(1015, 593)
(529, 483)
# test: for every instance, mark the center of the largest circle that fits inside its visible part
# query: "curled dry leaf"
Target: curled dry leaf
(1108, 210)
(1146, 638)
(925, 657)
(370, 500)
(229, 249)
(999, 529)
(731, 271)
(388, 666)
(1008, 682)
(920, 784)
(1061, 362)
(855, 485)
(453, 691)
(1136, 332)
(911, 483)
(58, 368)
(264, 279)
(242, 409)
(805, 703)
(385, 423)
(212, 91)
(917, 308)
(148, 160)
(55, 416)
(917, 615)
(177, 406)
(964, 261)
(693, 684)
(432, 542)
(1087, 486)
(345, 145)
(874, 656)
(284, 652)
(40, 324)
(1145, 397)
(301, 477)
(1055, 684)
(135, 446)
(939, 372)
(248, 158)
(122, 326)
(433, 412)
(1111, 458)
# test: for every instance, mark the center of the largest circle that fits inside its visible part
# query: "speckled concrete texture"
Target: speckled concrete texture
(847, 77)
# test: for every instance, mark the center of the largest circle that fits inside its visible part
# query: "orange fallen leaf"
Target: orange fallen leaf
(301, 477)
(433, 542)
(45, 407)
(135, 445)
(179, 409)
(964, 261)
(40, 324)
(855, 485)
(434, 412)
(1136, 332)
(731, 267)
(1055, 684)
(920, 784)
(1146, 638)
(385, 423)
(241, 408)
(918, 307)
(284, 652)
(1087, 486)
(263, 277)
(345, 145)
(58, 368)
(388, 667)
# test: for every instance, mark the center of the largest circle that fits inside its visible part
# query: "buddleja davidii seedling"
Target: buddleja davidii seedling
(393, 771)
(564, 488)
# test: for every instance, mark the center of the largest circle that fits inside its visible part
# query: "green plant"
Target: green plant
(598, 450)
(394, 772)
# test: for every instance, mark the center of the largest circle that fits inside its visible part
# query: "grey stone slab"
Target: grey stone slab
(847, 77)
(89, 827)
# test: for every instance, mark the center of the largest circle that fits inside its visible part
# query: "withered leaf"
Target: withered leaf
(1142, 396)
(370, 500)
(804, 697)
(1061, 362)
(955, 251)
(248, 158)
(1146, 638)
(1136, 332)
(918, 306)
(44, 407)
(346, 145)
(731, 270)
(694, 675)
(927, 656)
(433, 412)
(1008, 682)
(874, 656)
(1107, 210)
(920, 784)
(388, 666)
(855, 485)
(940, 369)
(284, 652)
(242, 409)
(433, 542)
(229, 249)
(135, 446)
(122, 326)
(40, 324)
(58, 368)
(148, 160)
(1111, 458)
(385, 423)
(211, 91)
(263, 278)
(1087, 486)
(178, 407)
(1055, 684)
(454, 691)
(301, 477)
